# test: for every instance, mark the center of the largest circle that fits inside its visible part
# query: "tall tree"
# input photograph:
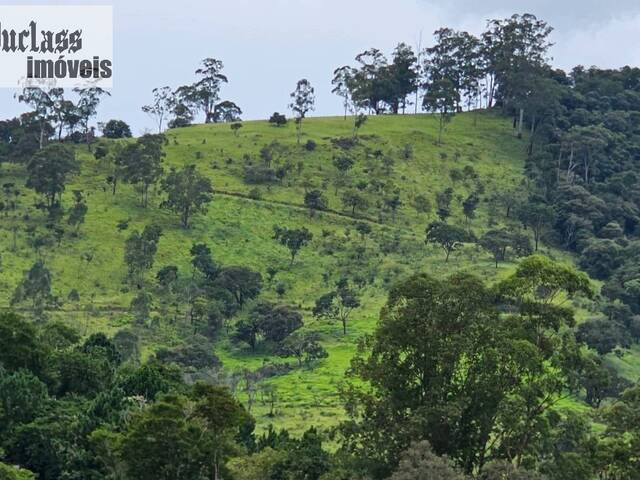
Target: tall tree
(226, 111)
(87, 107)
(164, 101)
(441, 98)
(404, 76)
(42, 104)
(203, 95)
(514, 48)
(444, 365)
(302, 102)
(342, 78)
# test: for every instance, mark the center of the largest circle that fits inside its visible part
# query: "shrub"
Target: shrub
(259, 175)
(278, 119)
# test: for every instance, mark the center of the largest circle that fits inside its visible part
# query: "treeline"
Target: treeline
(581, 138)
(448, 382)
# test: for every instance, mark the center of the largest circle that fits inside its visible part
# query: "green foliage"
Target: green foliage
(116, 129)
(441, 349)
(292, 239)
(188, 193)
(419, 462)
(140, 250)
(449, 237)
(49, 170)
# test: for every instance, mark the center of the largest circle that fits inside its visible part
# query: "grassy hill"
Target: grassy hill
(479, 153)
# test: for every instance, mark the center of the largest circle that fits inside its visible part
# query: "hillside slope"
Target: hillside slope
(395, 155)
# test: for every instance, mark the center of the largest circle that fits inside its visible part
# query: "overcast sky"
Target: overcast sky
(267, 45)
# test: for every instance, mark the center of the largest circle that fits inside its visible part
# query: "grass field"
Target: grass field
(239, 226)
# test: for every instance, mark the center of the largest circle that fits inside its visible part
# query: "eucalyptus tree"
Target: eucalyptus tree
(302, 102)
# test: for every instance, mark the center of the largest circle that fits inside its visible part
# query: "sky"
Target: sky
(267, 45)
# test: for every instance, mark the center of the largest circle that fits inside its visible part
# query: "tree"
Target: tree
(499, 241)
(203, 262)
(446, 366)
(449, 237)
(20, 348)
(315, 200)
(140, 163)
(188, 193)
(274, 322)
(79, 210)
(241, 282)
(443, 203)
(338, 304)
(601, 258)
(514, 48)
(116, 129)
(204, 94)
(419, 462)
(140, 250)
(355, 200)
(141, 306)
(222, 417)
(226, 111)
(48, 171)
(302, 102)
(42, 103)
(469, 206)
(248, 330)
(404, 76)
(342, 76)
(442, 98)
(64, 112)
(163, 443)
(87, 107)
(181, 113)
(305, 347)
(164, 102)
(371, 85)
(35, 287)
(622, 435)
(537, 216)
(358, 121)
(603, 335)
(343, 164)
(293, 239)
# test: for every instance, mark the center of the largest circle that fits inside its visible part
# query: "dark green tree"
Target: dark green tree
(449, 237)
(292, 238)
(49, 170)
(188, 193)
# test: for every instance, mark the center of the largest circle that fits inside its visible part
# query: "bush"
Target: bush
(259, 175)
(101, 151)
(278, 119)
(310, 146)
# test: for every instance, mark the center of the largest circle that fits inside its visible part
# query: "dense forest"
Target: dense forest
(441, 283)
